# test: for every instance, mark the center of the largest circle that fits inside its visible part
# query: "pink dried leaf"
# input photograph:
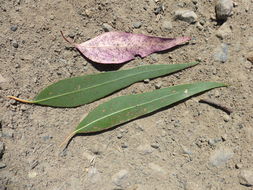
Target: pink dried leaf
(120, 47)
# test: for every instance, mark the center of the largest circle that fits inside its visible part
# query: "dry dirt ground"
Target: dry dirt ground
(190, 146)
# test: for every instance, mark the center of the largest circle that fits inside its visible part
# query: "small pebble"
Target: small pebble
(137, 24)
(158, 85)
(47, 137)
(159, 9)
(246, 177)
(106, 27)
(167, 25)
(14, 28)
(186, 150)
(120, 178)
(146, 81)
(221, 53)
(186, 15)
(2, 165)
(119, 136)
(223, 9)
(8, 133)
(226, 118)
(224, 31)
(238, 166)
(212, 142)
(155, 145)
(221, 156)
(15, 44)
(124, 145)
(250, 57)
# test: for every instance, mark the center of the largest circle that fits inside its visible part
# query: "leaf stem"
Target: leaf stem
(20, 100)
(67, 139)
(66, 39)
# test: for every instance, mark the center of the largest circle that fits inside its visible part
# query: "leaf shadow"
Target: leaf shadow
(141, 117)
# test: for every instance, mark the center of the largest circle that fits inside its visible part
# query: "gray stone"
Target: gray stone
(223, 9)
(221, 156)
(2, 165)
(155, 145)
(246, 177)
(137, 24)
(107, 28)
(14, 28)
(159, 9)
(221, 53)
(120, 178)
(224, 31)
(2, 148)
(167, 25)
(15, 44)
(186, 15)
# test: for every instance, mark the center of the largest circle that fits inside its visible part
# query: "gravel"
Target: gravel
(223, 9)
(186, 15)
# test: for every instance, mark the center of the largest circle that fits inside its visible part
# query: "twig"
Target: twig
(217, 105)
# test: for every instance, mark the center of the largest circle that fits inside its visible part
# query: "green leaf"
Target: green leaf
(125, 108)
(81, 90)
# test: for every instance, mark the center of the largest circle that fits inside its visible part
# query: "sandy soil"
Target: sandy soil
(190, 146)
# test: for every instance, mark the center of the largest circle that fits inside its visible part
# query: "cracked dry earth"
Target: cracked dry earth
(190, 146)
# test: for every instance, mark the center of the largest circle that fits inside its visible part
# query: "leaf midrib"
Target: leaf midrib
(83, 89)
(76, 131)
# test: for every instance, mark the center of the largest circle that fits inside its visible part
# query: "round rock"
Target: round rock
(186, 15)
(223, 9)
(14, 28)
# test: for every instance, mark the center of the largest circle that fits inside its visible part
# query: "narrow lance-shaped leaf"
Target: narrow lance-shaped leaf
(125, 108)
(76, 91)
(120, 47)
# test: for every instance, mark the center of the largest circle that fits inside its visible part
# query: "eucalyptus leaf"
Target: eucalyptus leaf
(125, 108)
(119, 47)
(81, 90)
